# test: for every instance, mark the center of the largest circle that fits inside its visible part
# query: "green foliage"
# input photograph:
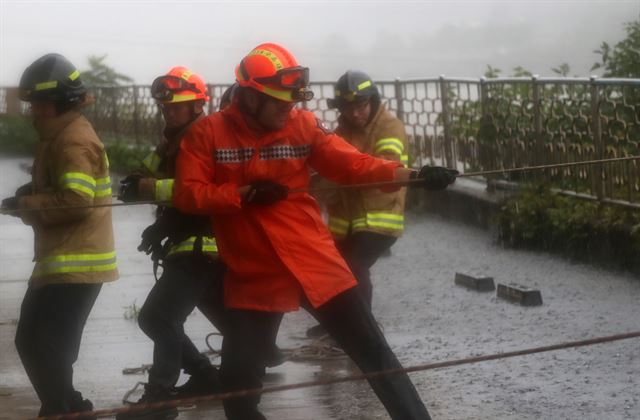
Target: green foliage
(520, 71)
(562, 70)
(125, 156)
(623, 60)
(537, 218)
(17, 136)
(492, 72)
(100, 74)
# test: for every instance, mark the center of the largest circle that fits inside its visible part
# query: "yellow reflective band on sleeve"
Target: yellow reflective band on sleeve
(404, 159)
(164, 189)
(364, 85)
(338, 227)
(391, 144)
(103, 187)
(152, 162)
(79, 182)
(46, 85)
(73, 76)
(209, 246)
(75, 263)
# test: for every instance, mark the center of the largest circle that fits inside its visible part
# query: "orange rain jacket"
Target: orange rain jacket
(273, 253)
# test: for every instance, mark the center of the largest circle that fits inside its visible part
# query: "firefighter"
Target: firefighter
(238, 166)
(74, 247)
(184, 246)
(365, 222)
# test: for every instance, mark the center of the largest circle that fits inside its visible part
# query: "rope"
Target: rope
(468, 175)
(352, 378)
(348, 186)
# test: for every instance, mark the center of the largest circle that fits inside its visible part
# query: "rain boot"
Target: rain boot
(152, 394)
(203, 382)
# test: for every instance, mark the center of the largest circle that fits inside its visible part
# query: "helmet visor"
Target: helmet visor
(291, 78)
(164, 87)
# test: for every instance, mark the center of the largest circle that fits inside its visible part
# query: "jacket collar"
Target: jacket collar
(235, 115)
(367, 129)
(48, 129)
(172, 138)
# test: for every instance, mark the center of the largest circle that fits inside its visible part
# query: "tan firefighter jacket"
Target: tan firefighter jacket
(72, 245)
(371, 210)
(159, 168)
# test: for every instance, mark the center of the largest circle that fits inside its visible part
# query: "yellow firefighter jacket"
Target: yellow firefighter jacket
(370, 209)
(72, 245)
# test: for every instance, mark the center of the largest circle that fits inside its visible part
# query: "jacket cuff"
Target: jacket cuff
(147, 189)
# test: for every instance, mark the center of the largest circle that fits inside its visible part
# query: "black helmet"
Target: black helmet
(52, 77)
(353, 86)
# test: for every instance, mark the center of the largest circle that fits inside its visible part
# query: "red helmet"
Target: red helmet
(179, 85)
(272, 70)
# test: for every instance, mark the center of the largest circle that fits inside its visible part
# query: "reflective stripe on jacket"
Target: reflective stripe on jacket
(371, 210)
(275, 253)
(70, 169)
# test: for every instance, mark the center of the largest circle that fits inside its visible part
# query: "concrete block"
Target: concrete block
(480, 284)
(519, 294)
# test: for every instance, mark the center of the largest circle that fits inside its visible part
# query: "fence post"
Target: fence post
(597, 136)
(210, 90)
(483, 96)
(114, 111)
(537, 122)
(399, 100)
(447, 146)
(136, 128)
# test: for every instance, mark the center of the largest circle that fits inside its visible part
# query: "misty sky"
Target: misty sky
(387, 39)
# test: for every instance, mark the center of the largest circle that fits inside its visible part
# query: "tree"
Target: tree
(623, 60)
(492, 72)
(562, 70)
(100, 74)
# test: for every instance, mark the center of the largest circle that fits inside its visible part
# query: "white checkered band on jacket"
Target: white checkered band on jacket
(266, 153)
(234, 155)
(285, 152)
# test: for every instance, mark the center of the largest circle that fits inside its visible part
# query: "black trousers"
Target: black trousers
(48, 337)
(361, 250)
(185, 282)
(349, 321)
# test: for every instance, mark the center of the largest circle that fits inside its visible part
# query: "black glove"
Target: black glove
(265, 193)
(152, 238)
(10, 203)
(129, 190)
(435, 178)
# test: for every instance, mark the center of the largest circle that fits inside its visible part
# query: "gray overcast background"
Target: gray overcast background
(388, 39)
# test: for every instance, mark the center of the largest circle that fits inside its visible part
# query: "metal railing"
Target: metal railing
(464, 123)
